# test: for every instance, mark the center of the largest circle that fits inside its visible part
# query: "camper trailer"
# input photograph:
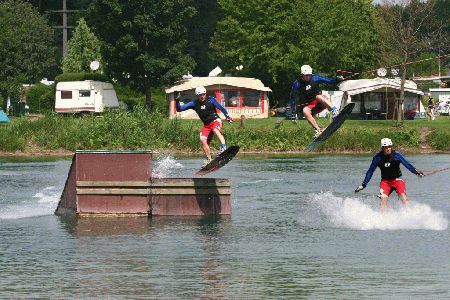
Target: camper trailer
(85, 96)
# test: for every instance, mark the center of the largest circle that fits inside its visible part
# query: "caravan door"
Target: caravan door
(86, 99)
(98, 98)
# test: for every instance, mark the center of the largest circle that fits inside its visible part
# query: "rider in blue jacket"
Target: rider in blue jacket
(309, 94)
(389, 160)
(206, 109)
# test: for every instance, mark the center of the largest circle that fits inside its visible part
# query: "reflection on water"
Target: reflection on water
(297, 231)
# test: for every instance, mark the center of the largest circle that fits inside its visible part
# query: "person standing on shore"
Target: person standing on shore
(388, 160)
(430, 107)
(212, 124)
(310, 95)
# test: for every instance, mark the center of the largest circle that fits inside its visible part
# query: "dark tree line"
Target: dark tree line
(148, 43)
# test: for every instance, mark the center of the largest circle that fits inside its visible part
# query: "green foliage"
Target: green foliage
(114, 130)
(143, 130)
(427, 67)
(160, 102)
(144, 40)
(200, 31)
(129, 96)
(26, 50)
(41, 98)
(81, 77)
(440, 139)
(272, 39)
(12, 136)
(83, 48)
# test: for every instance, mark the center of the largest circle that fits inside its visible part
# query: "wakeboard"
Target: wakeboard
(220, 161)
(337, 122)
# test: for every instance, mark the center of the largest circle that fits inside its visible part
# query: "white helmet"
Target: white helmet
(306, 70)
(385, 142)
(200, 90)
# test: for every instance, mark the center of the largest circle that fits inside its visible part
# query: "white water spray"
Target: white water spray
(165, 165)
(353, 213)
(43, 203)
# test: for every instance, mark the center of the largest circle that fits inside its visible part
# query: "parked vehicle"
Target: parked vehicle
(443, 107)
(85, 97)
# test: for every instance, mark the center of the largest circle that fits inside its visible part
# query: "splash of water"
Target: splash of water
(43, 203)
(165, 165)
(352, 213)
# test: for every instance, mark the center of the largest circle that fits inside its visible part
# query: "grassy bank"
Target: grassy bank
(141, 130)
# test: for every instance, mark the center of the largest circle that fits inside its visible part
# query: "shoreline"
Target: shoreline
(66, 153)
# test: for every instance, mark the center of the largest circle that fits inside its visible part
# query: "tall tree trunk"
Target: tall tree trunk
(402, 92)
(148, 96)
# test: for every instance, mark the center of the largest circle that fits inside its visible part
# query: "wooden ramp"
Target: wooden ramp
(120, 183)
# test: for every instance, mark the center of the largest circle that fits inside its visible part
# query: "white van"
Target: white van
(85, 96)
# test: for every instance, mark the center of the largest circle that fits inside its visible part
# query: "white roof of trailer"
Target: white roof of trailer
(86, 84)
(354, 87)
(241, 82)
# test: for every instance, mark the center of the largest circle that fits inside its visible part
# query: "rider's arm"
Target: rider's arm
(406, 163)
(219, 106)
(372, 168)
(293, 95)
(319, 78)
(186, 106)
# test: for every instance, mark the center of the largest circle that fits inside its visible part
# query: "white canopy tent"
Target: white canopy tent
(379, 95)
(353, 87)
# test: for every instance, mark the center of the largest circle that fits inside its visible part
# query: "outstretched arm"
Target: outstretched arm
(372, 168)
(219, 106)
(322, 79)
(406, 163)
(183, 107)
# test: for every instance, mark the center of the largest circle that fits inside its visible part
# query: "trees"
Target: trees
(272, 39)
(144, 40)
(84, 47)
(408, 29)
(200, 32)
(26, 46)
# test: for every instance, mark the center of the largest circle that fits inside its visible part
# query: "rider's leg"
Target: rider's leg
(307, 112)
(324, 100)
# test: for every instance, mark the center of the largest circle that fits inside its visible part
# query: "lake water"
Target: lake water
(297, 231)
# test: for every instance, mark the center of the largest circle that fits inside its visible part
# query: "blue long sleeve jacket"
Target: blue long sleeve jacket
(205, 110)
(297, 84)
(397, 156)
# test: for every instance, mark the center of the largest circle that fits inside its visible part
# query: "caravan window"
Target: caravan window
(66, 94)
(85, 93)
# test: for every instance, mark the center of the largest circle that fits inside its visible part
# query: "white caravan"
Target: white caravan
(85, 96)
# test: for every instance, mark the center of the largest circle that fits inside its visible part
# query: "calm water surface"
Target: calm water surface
(297, 231)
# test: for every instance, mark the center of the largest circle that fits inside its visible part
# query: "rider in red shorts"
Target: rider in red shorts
(388, 161)
(309, 94)
(206, 109)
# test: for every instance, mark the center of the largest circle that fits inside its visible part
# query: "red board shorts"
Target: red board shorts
(387, 186)
(316, 106)
(207, 130)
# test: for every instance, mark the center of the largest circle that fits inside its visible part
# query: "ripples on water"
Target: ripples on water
(290, 236)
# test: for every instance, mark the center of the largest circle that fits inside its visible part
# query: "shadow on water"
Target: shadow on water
(208, 204)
